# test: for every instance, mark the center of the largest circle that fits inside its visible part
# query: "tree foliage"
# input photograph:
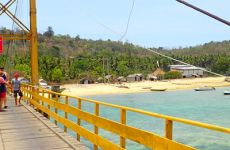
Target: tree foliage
(173, 75)
(57, 75)
(49, 33)
(62, 57)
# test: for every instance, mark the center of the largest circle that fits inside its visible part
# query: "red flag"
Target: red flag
(1, 45)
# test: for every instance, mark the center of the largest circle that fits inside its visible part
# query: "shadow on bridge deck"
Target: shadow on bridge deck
(22, 128)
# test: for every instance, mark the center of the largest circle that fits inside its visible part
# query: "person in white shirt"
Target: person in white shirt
(16, 88)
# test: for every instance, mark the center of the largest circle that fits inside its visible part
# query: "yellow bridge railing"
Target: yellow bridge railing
(43, 101)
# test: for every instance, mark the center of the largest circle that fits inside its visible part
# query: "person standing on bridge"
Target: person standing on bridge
(16, 88)
(3, 84)
(3, 75)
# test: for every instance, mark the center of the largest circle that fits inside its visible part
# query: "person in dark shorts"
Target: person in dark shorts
(3, 84)
(3, 89)
(16, 88)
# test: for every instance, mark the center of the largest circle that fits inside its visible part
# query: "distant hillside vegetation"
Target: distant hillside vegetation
(214, 48)
(63, 58)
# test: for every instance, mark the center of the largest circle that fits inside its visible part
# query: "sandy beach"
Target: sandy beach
(144, 86)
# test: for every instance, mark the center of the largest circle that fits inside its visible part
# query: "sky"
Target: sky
(153, 23)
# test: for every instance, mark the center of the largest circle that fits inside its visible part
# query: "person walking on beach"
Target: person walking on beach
(16, 88)
(3, 74)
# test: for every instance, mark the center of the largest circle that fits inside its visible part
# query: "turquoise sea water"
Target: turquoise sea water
(209, 107)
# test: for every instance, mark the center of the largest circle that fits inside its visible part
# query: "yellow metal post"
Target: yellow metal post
(96, 109)
(43, 95)
(66, 114)
(49, 96)
(123, 121)
(79, 120)
(169, 129)
(55, 109)
(33, 43)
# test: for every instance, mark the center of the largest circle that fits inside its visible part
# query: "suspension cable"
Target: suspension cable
(204, 12)
(155, 52)
(182, 62)
(10, 53)
(127, 26)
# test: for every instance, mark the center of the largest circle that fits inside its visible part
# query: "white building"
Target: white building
(187, 70)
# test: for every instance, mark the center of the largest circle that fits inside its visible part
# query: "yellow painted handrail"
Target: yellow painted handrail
(185, 121)
(36, 97)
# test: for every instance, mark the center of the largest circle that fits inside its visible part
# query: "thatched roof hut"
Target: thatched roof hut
(159, 73)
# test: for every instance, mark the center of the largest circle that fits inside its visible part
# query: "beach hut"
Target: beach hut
(131, 78)
(108, 78)
(42, 82)
(151, 77)
(135, 77)
(23, 80)
(159, 73)
(140, 77)
(121, 79)
(86, 81)
(100, 80)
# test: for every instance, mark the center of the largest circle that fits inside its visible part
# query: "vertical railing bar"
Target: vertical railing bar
(27, 94)
(96, 111)
(56, 110)
(79, 120)
(37, 93)
(66, 114)
(49, 96)
(123, 121)
(31, 90)
(169, 129)
(33, 97)
(43, 94)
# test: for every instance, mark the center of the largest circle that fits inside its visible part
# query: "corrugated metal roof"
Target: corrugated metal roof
(187, 68)
(134, 75)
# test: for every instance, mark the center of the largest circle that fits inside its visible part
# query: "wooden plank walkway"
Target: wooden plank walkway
(22, 128)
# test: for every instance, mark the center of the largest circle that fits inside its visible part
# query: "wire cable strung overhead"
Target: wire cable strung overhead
(127, 26)
(150, 50)
(102, 24)
(11, 45)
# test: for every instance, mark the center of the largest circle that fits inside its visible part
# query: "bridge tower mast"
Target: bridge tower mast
(30, 34)
(33, 42)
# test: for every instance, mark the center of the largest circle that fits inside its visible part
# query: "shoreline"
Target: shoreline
(83, 90)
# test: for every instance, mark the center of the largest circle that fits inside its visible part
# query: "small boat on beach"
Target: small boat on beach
(226, 92)
(155, 89)
(123, 86)
(146, 87)
(227, 79)
(205, 89)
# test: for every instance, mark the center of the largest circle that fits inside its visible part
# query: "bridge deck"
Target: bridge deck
(22, 128)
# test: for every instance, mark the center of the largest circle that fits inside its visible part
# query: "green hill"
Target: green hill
(63, 58)
(214, 48)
